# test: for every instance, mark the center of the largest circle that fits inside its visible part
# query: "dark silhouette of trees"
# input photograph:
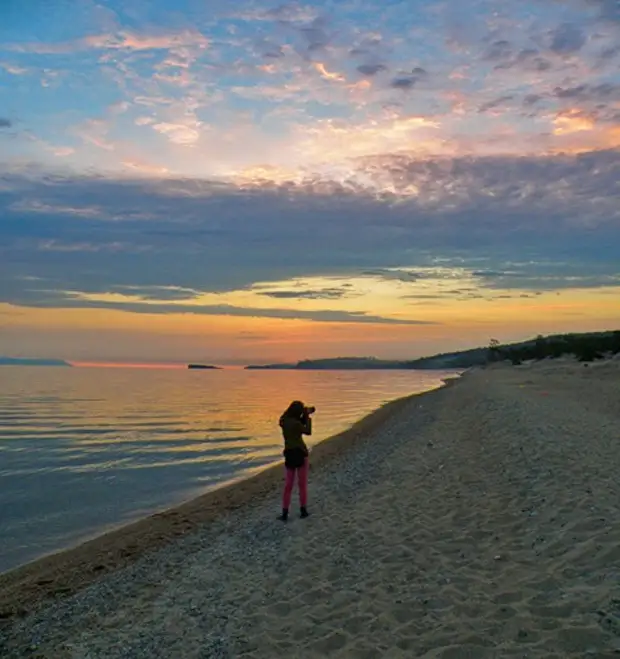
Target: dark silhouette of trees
(585, 347)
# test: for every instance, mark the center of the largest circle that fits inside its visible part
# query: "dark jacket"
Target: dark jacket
(295, 449)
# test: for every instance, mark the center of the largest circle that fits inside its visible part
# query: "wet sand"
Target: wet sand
(480, 520)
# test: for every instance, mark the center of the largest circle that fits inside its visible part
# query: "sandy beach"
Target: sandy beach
(479, 520)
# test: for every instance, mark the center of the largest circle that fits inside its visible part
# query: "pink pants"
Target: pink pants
(302, 481)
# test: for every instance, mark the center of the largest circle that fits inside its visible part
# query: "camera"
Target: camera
(309, 410)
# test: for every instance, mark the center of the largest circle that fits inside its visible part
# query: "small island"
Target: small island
(203, 367)
(18, 361)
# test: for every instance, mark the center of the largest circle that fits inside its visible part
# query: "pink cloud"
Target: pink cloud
(62, 151)
(115, 41)
(179, 133)
(13, 69)
(144, 167)
(95, 131)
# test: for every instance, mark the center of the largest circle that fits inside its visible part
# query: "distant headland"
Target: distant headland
(438, 362)
(203, 367)
(585, 346)
(17, 361)
(348, 364)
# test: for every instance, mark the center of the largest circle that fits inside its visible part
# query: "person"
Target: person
(295, 423)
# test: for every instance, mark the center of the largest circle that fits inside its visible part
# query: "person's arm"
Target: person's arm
(307, 425)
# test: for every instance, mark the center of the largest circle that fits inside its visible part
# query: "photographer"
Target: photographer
(295, 423)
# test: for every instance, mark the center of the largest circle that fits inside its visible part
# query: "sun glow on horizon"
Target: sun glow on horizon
(227, 183)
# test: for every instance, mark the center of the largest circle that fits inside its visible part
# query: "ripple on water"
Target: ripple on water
(83, 449)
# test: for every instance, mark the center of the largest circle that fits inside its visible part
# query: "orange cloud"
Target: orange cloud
(328, 75)
(572, 121)
(335, 141)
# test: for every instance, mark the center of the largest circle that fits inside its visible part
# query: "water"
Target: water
(86, 449)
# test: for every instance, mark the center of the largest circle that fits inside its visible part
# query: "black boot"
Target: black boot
(284, 516)
(304, 512)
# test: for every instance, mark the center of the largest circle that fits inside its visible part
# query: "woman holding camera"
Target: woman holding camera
(295, 423)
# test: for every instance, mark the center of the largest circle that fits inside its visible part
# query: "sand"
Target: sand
(480, 520)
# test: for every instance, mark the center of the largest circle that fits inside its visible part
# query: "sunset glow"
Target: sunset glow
(258, 181)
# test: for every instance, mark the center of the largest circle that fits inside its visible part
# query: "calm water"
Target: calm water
(83, 450)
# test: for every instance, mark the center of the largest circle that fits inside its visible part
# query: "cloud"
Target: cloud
(315, 35)
(527, 60)
(122, 40)
(498, 50)
(36, 206)
(397, 274)
(156, 293)
(396, 219)
(408, 81)
(371, 69)
(180, 133)
(69, 300)
(13, 69)
(404, 83)
(609, 10)
(586, 92)
(146, 168)
(5, 123)
(95, 132)
(368, 45)
(491, 105)
(62, 151)
(323, 294)
(329, 75)
(538, 278)
(567, 39)
(287, 12)
(573, 121)
(532, 99)
(267, 49)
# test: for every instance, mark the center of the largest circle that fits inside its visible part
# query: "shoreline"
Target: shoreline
(65, 572)
(474, 520)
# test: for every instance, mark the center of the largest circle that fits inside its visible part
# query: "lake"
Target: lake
(83, 450)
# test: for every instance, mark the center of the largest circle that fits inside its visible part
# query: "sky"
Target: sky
(234, 182)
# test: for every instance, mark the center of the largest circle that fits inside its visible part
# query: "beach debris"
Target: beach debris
(498, 557)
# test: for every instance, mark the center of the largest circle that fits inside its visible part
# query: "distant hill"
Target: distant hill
(337, 363)
(344, 364)
(13, 361)
(203, 367)
(585, 346)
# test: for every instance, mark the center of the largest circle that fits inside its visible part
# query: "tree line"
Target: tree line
(585, 347)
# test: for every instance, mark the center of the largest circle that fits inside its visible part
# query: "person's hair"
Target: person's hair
(295, 410)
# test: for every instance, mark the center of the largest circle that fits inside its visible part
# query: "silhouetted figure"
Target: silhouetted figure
(295, 423)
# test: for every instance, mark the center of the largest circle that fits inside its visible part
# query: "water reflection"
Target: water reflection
(83, 449)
